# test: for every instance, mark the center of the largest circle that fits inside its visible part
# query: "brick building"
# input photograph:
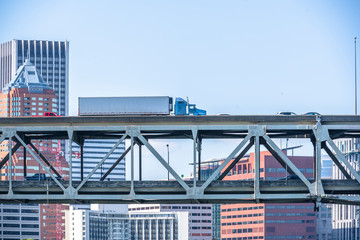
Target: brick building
(268, 221)
(28, 95)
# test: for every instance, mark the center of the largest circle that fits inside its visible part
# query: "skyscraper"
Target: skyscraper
(51, 59)
(28, 95)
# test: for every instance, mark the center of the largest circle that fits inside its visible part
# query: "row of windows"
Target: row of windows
(198, 227)
(243, 215)
(290, 221)
(242, 223)
(13, 225)
(285, 214)
(185, 207)
(22, 218)
(244, 238)
(289, 207)
(242, 209)
(22, 233)
(202, 214)
(303, 170)
(40, 104)
(200, 221)
(291, 237)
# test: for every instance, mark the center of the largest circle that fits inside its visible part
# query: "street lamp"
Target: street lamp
(168, 160)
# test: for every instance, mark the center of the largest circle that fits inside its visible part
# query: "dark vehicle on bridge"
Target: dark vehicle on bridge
(286, 113)
(41, 177)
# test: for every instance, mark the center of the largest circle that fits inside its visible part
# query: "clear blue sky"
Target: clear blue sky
(236, 57)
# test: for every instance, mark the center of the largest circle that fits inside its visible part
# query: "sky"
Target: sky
(229, 57)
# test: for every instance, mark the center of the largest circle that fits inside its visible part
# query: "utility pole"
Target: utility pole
(355, 79)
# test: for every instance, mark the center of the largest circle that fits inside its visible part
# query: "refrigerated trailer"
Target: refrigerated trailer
(92, 106)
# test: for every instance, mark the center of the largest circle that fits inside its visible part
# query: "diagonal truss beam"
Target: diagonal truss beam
(237, 159)
(115, 164)
(336, 161)
(288, 162)
(40, 162)
(101, 162)
(226, 162)
(277, 157)
(342, 159)
(162, 161)
(44, 159)
(6, 158)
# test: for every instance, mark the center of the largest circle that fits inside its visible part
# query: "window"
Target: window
(33, 98)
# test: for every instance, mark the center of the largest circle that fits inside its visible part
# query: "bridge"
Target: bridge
(248, 131)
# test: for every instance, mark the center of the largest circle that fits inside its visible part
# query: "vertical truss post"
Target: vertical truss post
(24, 155)
(10, 163)
(70, 134)
(82, 161)
(321, 133)
(132, 163)
(257, 168)
(199, 158)
(195, 133)
(140, 162)
(317, 170)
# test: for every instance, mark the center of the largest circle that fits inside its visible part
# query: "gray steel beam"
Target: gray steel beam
(342, 159)
(44, 159)
(336, 161)
(162, 161)
(6, 158)
(277, 157)
(288, 162)
(257, 168)
(100, 163)
(40, 162)
(216, 173)
(236, 160)
(115, 164)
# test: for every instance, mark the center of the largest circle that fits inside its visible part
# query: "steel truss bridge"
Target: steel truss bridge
(249, 131)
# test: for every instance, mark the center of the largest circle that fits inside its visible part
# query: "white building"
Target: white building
(51, 58)
(102, 223)
(199, 221)
(345, 218)
(20, 221)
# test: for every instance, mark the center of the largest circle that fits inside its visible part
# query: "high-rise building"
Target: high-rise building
(345, 218)
(268, 221)
(199, 216)
(207, 169)
(51, 59)
(103, 223)
(94, 151)
(29, 95)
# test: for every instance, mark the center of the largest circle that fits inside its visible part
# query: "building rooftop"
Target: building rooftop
(27, 76)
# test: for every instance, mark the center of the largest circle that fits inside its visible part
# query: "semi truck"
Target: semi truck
(146, 105)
